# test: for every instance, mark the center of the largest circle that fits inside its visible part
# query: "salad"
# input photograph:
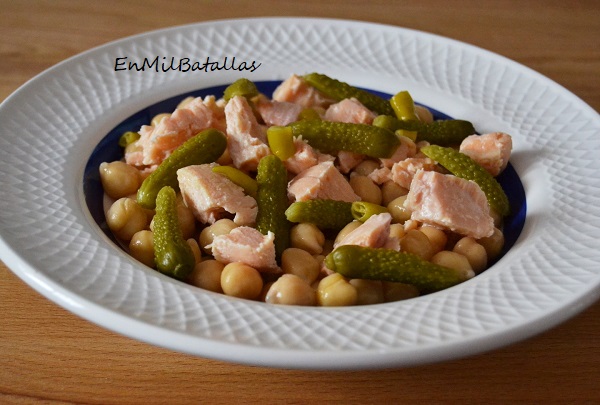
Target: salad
(319, 194)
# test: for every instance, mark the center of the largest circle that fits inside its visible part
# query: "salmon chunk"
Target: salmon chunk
(278, 112)
(350, 110)
(491, 151)
(305, 157)
(447, 201)
(406, 149)
(402, 172)
(156, 143)
(296, 90)
(211, 196)
(321, 181)
(246, 245)
(374, 232)
(246, 138)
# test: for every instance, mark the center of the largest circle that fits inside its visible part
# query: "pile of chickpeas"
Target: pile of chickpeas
(302, 280)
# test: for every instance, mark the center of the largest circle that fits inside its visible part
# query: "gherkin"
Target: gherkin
(442, 132)
(354, 261)
(463, 166)
(172, 253)
(206, 147)
(338, 90)
(330, 137)
(272, 201)
(325, 214)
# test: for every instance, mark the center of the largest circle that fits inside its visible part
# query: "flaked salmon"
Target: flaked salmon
(277, 112)
(246, 245)
(246, 138)
(449, 202)
(296, 90)
(491, 151)
(323, 181)
(350, 110)
(305, 157)
(156, 143)
(212, 196)
(374, 232)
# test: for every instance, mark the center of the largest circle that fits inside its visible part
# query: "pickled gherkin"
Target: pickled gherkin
(325, 214)
(241, 87)
(463, 166)
(354, 261)
(442, 132)
(272, 201)
(206, 147)
(172, 253)
(339, 90)
(330, 137)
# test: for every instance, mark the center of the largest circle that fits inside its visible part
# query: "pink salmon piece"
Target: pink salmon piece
(321, 181)
(449, 202)
(491, 151)
(211, 196)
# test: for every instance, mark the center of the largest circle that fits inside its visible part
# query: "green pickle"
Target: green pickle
(239, 178)
(441, 132)
(330, 137)
(338, 90)
(173, 254)
(206, 147)
(272, 201)
(390, 265)
(404, 106)
(325, 214)
(363, 210)
(463, 166)
(241, 87)
(128, 138)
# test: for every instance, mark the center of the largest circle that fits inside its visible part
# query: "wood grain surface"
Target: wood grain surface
(48, 355)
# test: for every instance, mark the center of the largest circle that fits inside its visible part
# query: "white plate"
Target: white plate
(51, 125)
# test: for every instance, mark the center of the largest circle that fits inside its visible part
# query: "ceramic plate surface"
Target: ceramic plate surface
(55, 127)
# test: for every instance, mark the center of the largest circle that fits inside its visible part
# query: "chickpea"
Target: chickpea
(158, 118)
(195, 249)
(119, 179)
(454, 261)
(399, 291)
(424, 114)
(307, 237)
(474, 252)
(366, 167)
(418, 243)
(366, 189)
(437, 237)
(187, 221)
(390, 191)
(493, 244)
(220, 227)
(369, 291)
(399, 213)
(290, 289)
(397, 231)
(207, 275)
(125, 218)
(141, 247)
(300, 263)
(346, 230)
(335, 290)
(241, 281)
(225, 158)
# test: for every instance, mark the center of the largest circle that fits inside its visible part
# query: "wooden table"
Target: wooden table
(49, 355)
